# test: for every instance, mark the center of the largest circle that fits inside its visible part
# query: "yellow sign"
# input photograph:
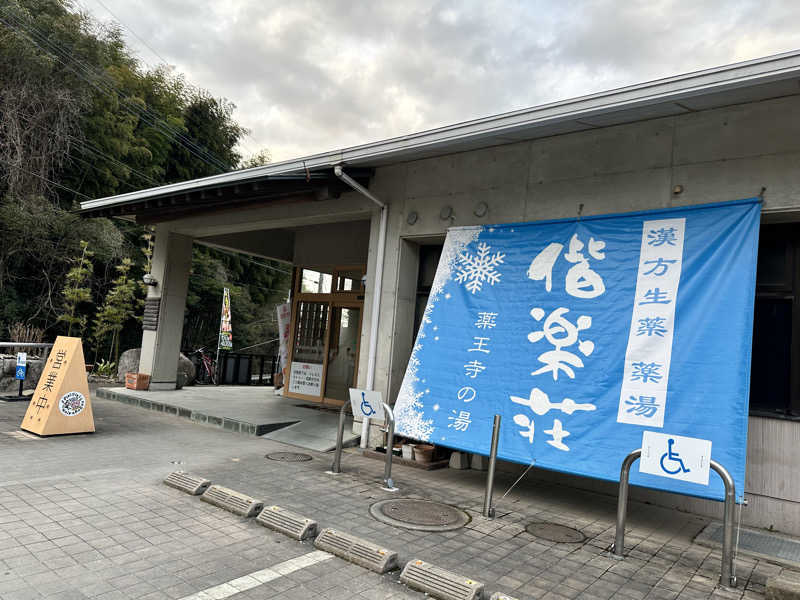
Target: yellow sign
(61, 402)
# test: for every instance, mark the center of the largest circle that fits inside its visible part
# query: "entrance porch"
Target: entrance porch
(254, 411)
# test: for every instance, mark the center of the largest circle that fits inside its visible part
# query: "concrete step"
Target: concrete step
(313, 435)
(250, 411)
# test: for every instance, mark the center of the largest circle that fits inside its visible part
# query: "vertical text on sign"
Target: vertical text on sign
(643, 397)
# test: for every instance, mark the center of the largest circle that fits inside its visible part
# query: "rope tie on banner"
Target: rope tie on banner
(525, 472)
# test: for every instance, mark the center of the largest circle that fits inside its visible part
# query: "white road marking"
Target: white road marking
(248, 582)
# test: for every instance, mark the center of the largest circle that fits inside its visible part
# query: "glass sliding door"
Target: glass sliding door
(342, 352)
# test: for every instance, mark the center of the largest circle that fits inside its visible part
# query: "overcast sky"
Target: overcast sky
(310, 76)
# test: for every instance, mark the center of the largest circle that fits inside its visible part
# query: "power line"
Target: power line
(83, 145)
(258, 287)
(43, 178)
(87, 146)
(138, 37)
(101, 83)
(161, 58)
(96, 168)
(250, 260)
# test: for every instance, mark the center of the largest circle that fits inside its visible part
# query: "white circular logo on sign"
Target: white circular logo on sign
(72, 403)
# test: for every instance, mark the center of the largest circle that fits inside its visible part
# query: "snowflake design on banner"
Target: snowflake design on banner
(409, 410)
(474, 269)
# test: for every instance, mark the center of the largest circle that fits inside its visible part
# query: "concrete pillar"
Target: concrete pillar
(172, 260)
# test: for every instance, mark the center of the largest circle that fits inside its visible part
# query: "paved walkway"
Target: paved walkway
(87, 517)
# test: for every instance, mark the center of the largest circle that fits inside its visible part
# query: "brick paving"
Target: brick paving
(86, 516)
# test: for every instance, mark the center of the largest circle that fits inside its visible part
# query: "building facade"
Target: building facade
(717, 135)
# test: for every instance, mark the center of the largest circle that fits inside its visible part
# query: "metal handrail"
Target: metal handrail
(727, 575)
(26, 344)
(387, 466)
(336, 467)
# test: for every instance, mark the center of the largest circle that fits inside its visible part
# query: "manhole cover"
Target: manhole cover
(555, 533)
(288, 456)
(421, 515)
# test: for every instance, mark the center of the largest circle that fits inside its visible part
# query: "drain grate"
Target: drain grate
(287, 522)
(288, 456)
(754, 542)
(552, 532)
(358, 551)
(439, 583)
(420, 515)
(186, 482)
(232, 501)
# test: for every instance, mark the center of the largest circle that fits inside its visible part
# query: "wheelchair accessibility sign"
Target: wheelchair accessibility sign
(675, 456)
(366, 404)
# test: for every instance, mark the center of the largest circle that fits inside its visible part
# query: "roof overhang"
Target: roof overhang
(175, 201)
(749, 81)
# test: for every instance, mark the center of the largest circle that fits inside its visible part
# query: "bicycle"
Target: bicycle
(206, 367)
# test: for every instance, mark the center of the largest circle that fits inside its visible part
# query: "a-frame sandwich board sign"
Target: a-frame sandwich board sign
(61, 402)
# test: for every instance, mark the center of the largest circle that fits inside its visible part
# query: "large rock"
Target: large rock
(129, 363)
(9, 384)
(186, 367)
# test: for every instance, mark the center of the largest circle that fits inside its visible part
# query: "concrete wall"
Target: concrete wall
(332, 244)
(715, 155)
(277, 244)
(340, 243)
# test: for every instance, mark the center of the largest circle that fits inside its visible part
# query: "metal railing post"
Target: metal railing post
(336, 467)
(387, 467)
(622, 503)
(727, 577)
(488, 509)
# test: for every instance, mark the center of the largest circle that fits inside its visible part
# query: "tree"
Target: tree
(39, 101)
(37, 241)
(76, 291)
(120, 306)
(261, 158)
(80, 117)
(256, 286)
(210, 122)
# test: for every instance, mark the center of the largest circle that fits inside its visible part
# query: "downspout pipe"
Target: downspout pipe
(376, 297)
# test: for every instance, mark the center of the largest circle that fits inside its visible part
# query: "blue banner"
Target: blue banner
(591, 338)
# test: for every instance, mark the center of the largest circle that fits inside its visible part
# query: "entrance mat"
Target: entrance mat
(758, 543)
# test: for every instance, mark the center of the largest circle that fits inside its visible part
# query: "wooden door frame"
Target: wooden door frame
(334, 299)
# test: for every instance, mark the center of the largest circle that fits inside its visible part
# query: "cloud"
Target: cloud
(315, 75)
